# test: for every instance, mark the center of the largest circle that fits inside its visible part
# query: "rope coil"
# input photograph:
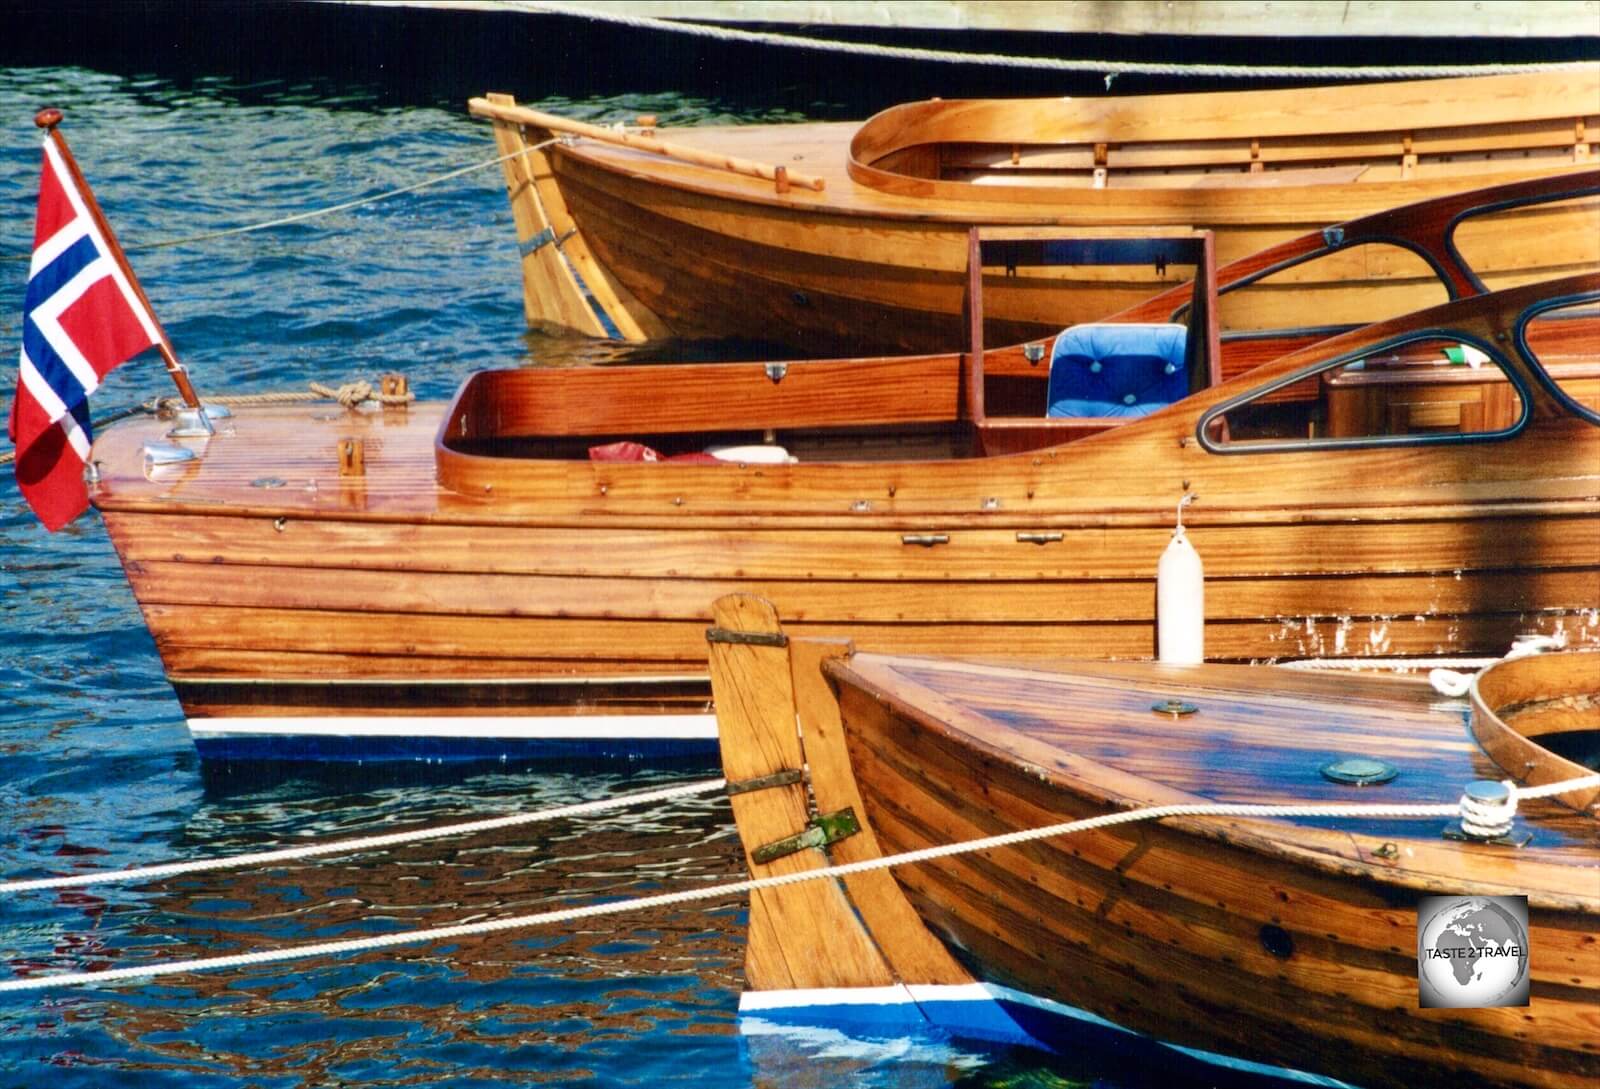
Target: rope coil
(1488, 809)
(589, 911)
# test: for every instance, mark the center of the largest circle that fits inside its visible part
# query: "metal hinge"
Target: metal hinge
(821, 830)
(752, 638)
(543, 239)
(785, 777)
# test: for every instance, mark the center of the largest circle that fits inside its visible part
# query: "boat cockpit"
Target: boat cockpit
(1427, 383)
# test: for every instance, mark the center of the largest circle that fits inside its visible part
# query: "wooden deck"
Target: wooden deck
(1289, 941)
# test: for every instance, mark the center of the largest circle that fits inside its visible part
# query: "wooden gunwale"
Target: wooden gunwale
(1412, 510)
(1494, 692)
(1339, 117)
(845, 200)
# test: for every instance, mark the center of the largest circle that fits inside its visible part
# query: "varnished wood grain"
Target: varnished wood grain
(910, 951)
(482, 544)
(876, 259)
(550, 291)
(944, 752)
(753, 683)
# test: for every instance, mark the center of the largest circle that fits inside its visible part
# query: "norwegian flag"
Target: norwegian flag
(82, 317)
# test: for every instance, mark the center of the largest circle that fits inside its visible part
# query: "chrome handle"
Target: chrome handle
(926, 540)
(1038, 538)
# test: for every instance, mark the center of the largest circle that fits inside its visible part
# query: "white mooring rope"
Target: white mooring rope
(301, 217)
(617, 907)
(317, 213)
(366, 843)
(1108, 69)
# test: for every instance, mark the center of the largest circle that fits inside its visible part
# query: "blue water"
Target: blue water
(97, 770)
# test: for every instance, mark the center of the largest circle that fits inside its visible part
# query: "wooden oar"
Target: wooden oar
(780, 176)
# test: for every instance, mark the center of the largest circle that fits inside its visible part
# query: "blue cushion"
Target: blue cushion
(1117, 370)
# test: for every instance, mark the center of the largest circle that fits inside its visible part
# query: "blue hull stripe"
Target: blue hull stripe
(994, 1014)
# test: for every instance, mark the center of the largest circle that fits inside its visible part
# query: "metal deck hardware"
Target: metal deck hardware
(821, 830)
(749, 638)
(786, 777)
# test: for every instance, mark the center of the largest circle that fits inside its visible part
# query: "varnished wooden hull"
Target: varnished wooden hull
(336, 615)
(1289, 942)
(708, 266)
(874, 261)
(1166, 929)
(487, 589)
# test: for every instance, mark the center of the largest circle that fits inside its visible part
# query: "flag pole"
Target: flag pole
(48, 119)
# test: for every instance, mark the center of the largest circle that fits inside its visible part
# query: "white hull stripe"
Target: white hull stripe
(510, 727)
(899, 993)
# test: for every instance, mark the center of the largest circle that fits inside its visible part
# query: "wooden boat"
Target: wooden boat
(1282, 942)
(843, 239)
(439, 581)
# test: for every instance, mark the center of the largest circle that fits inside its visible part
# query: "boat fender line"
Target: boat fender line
(733, 888)
(368, 843)
(1109, 69)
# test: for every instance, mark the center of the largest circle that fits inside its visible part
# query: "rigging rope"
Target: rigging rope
(348, 394)
(1109, 69)
(365, 843)
(316, 213)
(617, 907)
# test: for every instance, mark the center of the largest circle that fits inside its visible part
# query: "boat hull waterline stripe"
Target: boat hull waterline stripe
(972, 1010)
(515, 727)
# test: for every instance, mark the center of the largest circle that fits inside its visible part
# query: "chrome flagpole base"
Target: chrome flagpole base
(191, 423)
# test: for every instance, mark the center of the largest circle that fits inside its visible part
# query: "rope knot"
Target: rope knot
(353, 393)
(1488, 808)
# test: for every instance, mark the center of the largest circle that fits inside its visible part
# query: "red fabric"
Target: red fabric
(55, 210)
(50, 477)
(638, 451)
(103, 328)
(78, 322)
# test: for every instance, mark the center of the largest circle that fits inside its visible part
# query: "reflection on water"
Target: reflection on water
(517, 1007)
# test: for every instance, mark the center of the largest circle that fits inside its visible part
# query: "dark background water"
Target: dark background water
(195, 117)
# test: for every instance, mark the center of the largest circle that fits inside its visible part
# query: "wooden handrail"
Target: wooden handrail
(780, 176)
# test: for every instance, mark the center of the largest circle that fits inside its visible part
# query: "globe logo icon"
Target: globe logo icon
(1472, 951)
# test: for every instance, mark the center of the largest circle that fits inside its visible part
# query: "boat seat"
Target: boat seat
(1117, 369)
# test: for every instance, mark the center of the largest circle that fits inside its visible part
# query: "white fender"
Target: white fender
(1180, 602)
